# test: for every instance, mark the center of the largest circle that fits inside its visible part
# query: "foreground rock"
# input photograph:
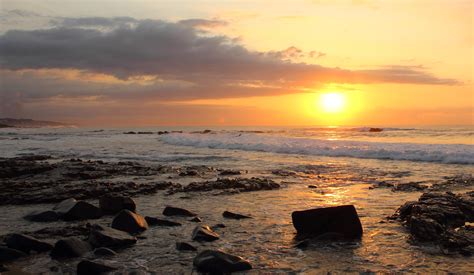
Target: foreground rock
(341, 220)
(129, 222)
(69, 248)
(90, 268)
(218, 262)
(8, 254)
(72, 209)
(113, 205)
(42, 216)
(101, 236)
(26, 243)
(440, 218)
(235, 216)
(182, 246)
(176, 211)
(204, 233)
(104, 251)
(152, 221)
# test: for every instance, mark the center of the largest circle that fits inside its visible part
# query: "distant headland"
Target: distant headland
(29, 123)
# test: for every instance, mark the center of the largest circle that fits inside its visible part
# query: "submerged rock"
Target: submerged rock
(42, 216)
(115, 204)
(71, 209)
(129, 222)
(8, 254)
(235, 216)
(152, 221)
(26, 243)
(70, 248)
(218, 262)
(176, 211)
(101, 236)
(182, 246)
(86, 267)
(204, 233)
(339, 219)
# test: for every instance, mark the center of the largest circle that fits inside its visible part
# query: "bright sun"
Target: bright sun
(332, 102)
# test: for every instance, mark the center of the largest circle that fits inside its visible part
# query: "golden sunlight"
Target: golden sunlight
(332, 102)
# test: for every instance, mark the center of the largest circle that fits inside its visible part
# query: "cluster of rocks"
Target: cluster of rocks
(442, 219)
(232, 185)
(150, 133)
(449, 183)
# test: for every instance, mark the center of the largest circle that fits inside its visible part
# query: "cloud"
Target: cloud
(203, 23)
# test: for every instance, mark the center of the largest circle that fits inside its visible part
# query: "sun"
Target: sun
(332, 102)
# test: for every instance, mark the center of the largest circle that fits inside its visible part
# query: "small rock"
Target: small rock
(113, 205)
(8, 254)
(204, 234)
(69, 248)
(89, 268)
(218, 262)
(189, 173)
(129, 222)
(182, 246)
(71, 209)
(160, 222)
(229, 173)
(42, 216)
(196, 219)
(101, 236)
(312, 186)
(104, 251)
(217, 226)
(176, 211)
(230, 215)
(26, 243)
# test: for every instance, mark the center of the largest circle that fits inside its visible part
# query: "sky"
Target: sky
(163, 63)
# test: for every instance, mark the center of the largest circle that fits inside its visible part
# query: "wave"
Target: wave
(442, 153)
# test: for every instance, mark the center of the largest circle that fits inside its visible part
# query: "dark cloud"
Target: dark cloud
(203, 23)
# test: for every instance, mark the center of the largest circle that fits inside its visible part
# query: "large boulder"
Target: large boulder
(129, 222)
(218, 262)
(42, 216)
(152, 221)
(235, 216)
(70, 248)
(204, 233)
(176, 211)
(86, 267)
(113, 205)
(338, 219)
(8, 254)
(26, 243)
(71, 209)
(101, 236)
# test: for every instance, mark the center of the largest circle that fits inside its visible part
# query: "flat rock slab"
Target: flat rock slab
(152, 221)
(182, 246)
(71, 209)
(26, 243)
(176, 211)
(70, 248)
(129, 222)
(8, 254)
(90, 268)
(338, 219)
(218, 262)
(42, 216)
(101, 236)
(235, 216)
(204, 233)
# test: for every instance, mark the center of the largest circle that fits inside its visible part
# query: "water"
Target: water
(342, 162)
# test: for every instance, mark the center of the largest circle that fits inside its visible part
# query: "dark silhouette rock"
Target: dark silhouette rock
(26, 243)
(235, 216)
(42, 216)
(113, 205)
(204, 233)
(71, 209)
(375, 130)
(196, 219)
(218, 226)
(101, 236)
(339, 219)
(104, 251)
(90, 268)
(182, 246)
(229, 173)
(2, 267)
(70, 248)
(176, 211)
(160, 222)
(218, 262)
(129, 222)
(8, 254)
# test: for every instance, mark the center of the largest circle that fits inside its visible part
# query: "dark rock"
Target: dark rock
(375, 130)
(71, 209)
(189, 173)
(42, 216)
(182, 246)
(204, 234)
(3, 268)
(217, 226)
(176, 211)
(339, 219)
(113, 205)
(230, 215)
(409, 187)
(235, 184)
(69, 248)
(152, 221)
(8, 254)
(101, 236)
(218, 262)
(129, 222)
(230, 173)
(104, 251)
(130, 133)
(196, 219)
(90, 268)
(312, 186)
(26, 243)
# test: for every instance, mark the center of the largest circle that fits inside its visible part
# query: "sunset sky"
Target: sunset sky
(117, 62)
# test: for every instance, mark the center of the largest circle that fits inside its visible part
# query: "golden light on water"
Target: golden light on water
(332, 102)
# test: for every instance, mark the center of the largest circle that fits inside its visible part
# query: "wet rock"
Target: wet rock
(204, 234)
(189, 173)
(72, 209)
(130, 133)
(339, 219)
(70, 248)
(26, 243)
(375, 130)
(176, 211)
(152, 221)
(8, 254)
(218, 226)
(104, 251)
(236, 184)
(409, 187)
(101, 236)
(218, 262)
(42, 216)
(3, 268)
(182, 246)
(196, 219)
(113, 205)
(312, 186)
(235, 216)
(229, 173)
(86, 267)
(129, 222)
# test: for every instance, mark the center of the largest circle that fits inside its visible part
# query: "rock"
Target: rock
(26, 243)
(113, 205)
(176, 211)
(42, 216)
(339, 219)
(71, 209)
(70, 247)
(218, 262)
(239, 184)
(189, 173)
(104, 251)
(312, 186)
(196, 219)
(3, 268)
(217, 226)
(129, 222)
(229, 173)
(375, 130)
(111, 238)
(90, 268)
(235, 216)
(8, 254)
(182, 246)
(409, 187)
(204, 233)
(160, 222)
